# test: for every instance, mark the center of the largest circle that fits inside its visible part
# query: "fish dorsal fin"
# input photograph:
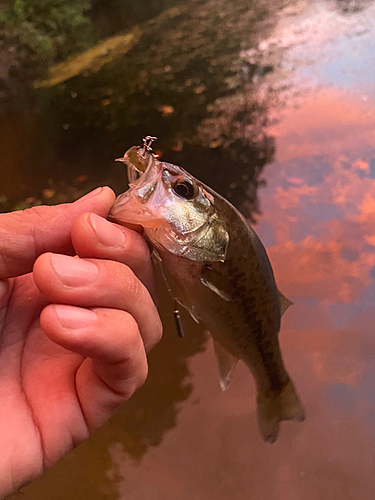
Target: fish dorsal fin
(284, 303)
(226, 363)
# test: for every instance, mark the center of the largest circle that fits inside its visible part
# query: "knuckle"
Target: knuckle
(133, 337)
(159, 330)
(37, 211)
(134, 354)
(143, 252)
(79, 226)
(136, 254)
(157, 334)
(143, 376)
(133, 381)
(122, 280)
(134, 344)
(128, 278)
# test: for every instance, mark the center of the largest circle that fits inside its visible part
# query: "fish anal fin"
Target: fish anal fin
(275, 407)
(226, 363)
(284, 303)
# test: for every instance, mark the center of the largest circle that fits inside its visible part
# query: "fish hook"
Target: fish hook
(147, 145)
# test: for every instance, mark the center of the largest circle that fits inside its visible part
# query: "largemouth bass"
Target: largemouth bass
(219, 272)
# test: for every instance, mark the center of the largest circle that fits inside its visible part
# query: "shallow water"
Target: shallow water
(280, 92)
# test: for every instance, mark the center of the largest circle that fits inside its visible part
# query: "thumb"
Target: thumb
(25, 235)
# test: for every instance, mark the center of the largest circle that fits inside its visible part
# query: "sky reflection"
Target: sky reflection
(318, 219)
(180, 437)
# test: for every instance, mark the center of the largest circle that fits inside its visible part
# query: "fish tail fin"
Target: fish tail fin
(274, 408)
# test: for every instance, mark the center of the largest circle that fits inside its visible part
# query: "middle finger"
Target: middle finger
(98, 283)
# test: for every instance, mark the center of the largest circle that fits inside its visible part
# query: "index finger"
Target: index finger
(95, 237)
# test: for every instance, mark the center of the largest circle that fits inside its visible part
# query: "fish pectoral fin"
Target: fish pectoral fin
(193, 314)
(156, 255)
(190, 309)
(216, 290)
(226, 363)
(284, 303)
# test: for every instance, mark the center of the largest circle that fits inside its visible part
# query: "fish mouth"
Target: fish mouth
(128, 210)
(131, 208)
(136, 205)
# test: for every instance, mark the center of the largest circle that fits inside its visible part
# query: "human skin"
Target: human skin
(74, 331)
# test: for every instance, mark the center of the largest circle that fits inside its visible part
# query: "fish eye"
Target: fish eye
(184, 188)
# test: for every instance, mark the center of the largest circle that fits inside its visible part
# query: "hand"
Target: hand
(73, 333)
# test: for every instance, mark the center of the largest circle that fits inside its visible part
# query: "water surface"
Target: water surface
(273, 105)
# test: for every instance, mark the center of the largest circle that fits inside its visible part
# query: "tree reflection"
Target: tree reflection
(173, 84)
(185, 82)
(152, 410)
(196, 79)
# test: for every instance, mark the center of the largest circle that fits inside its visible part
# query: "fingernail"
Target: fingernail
(106, 232)
(91, 194)
(74, 317)
(73, 271)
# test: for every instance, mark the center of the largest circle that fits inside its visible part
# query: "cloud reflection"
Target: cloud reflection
(318, 219)
(324, 230)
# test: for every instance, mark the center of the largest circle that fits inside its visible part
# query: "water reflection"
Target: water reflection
(326, 197)
(317, 219)
(139, 426)
(180, 437)
(185, 72)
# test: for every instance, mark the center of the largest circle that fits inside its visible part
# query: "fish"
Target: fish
(219, 271)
